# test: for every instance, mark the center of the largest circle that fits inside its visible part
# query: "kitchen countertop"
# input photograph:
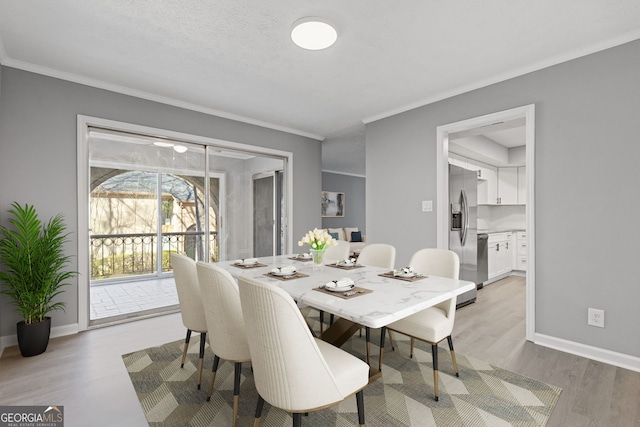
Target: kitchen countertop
(500, 230)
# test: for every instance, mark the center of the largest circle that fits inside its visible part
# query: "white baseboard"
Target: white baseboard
(57, 331)
(601, 355)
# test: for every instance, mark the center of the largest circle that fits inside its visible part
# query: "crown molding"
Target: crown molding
(555, 60)
(26, 66)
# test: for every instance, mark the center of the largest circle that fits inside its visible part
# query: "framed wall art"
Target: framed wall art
(332, 204)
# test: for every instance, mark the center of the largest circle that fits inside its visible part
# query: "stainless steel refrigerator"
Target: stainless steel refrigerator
(463, 229)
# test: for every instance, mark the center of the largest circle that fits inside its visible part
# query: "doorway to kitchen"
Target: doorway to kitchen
(445, 134)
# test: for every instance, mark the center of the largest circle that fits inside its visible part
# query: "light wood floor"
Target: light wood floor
(85, 372)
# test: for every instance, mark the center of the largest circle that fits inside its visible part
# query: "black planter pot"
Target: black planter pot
(33, 338)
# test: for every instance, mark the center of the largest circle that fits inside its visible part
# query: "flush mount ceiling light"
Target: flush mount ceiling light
(180, 149)
(313, 33)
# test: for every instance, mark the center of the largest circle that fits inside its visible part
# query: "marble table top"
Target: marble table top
(390, 300)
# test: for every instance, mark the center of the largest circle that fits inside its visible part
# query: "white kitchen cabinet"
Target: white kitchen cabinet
(521, 252)
(522, 185)
(507, 186)
(500, 254)
(487, 185)
(457, 161)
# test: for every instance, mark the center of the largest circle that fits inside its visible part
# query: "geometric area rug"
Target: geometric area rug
(483, 395)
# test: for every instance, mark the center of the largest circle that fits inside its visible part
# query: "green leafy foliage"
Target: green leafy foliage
(32, 253)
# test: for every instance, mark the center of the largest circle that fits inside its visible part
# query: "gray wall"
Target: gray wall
(38, 117)
(586, 187)
(353, 188)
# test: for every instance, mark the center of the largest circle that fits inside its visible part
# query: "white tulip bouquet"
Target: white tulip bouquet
(317, 239)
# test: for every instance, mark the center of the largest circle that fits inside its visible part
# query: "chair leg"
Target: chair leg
(360, 403)
(216, 361)
(186, 347)
(413, 341)
(203, 340)
(393, 346)
(297, 419)
(321, 321)
(256, 420)
(453, 356)
(434, 355)
(236, 391)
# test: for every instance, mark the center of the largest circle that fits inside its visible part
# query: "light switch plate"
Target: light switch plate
(427, 205)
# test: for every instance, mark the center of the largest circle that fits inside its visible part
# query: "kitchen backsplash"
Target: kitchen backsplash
(511, 217)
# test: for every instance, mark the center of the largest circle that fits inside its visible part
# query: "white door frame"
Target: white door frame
(442, 168)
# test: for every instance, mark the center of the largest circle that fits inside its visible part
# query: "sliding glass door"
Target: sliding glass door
(150, 197)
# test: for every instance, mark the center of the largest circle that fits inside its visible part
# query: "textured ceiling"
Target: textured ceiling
(235, 58)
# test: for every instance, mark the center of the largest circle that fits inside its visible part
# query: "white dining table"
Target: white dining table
(390, 299)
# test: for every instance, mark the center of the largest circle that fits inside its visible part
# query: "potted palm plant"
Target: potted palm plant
(34, 273)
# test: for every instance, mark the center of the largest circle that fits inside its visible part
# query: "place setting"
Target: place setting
(302, 257)
(344, 288)
(248, 263)
(405, 273)
(345, 264)
(288, 272)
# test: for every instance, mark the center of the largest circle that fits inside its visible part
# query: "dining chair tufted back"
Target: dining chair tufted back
(293, 370)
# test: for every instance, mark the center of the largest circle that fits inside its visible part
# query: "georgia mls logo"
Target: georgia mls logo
(31, 416)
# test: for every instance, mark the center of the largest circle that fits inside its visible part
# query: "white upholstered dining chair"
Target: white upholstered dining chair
(433, 324)
(378, 255)
(293, 370)
(227, 335)
(337, 252)
(184, 272)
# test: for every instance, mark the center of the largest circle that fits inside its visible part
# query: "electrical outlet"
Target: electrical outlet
(595, 317)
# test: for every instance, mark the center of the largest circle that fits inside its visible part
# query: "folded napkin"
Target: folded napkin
(247, 261)
(305, 255)
(341, 283)
(290, 269)
(403, 271)
(347, 262)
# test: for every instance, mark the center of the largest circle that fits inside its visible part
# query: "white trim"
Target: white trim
(344, 173)
(57, 331)
(26, 66)
(442, 193)
(83, 124)
(594, 353)
(530, 138)
(549, 62)
(82, 194)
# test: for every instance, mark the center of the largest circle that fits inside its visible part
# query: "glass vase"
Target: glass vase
(317, 255)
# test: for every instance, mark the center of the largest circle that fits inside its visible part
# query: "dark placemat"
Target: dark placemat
(295, 258)
(345, 267)
(256, 265)
(293, 276)
(390, 275)
(359, 291)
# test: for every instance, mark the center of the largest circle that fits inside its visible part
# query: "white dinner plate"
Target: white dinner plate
(283, 273)
(340, 288)
(407, 275)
